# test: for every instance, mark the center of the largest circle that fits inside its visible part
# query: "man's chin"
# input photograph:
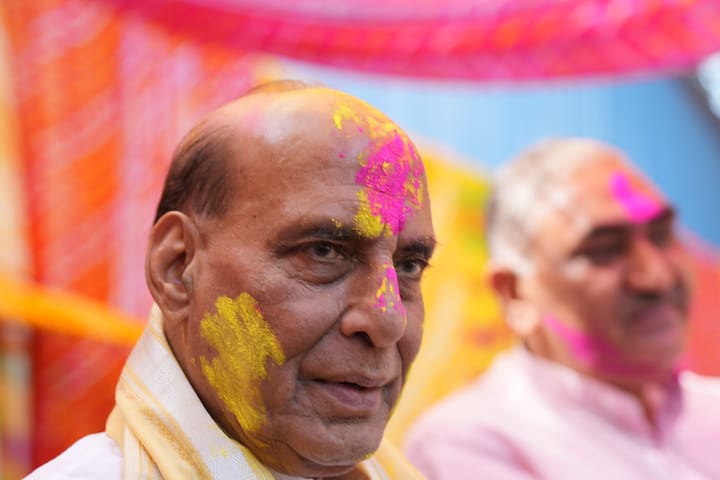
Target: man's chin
(657, 340)
(649, 362)
(323, 455)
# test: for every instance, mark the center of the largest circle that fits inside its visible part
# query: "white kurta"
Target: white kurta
(528, 418)
(94, 457)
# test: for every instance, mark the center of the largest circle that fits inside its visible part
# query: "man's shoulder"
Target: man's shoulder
(696, 384)
(701, 396)
(91, 457)
(484, 404)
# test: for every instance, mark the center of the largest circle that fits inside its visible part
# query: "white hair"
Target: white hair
(524, 190)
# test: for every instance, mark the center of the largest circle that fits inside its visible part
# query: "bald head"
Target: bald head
(197, 179)
(530, 185)
(266, 116)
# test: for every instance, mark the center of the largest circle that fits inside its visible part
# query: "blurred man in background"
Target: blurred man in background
(586, 261)
(285, 264)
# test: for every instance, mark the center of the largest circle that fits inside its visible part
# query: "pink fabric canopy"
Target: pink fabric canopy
(457, 39)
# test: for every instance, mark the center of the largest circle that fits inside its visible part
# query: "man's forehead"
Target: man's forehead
(606, 192)
(612, 187)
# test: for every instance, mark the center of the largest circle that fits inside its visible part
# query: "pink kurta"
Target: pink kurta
(530, 418)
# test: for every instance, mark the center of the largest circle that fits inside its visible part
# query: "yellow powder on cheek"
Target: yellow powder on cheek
(367, 224)
(244, 342)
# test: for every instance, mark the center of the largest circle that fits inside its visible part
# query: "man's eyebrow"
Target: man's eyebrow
(667, 214)
(331, 231)
(423, 246)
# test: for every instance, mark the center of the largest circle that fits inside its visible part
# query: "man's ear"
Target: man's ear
(504, 282)
(169, 265)
(521, 314)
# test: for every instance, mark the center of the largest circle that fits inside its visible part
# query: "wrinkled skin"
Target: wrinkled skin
(291, 243)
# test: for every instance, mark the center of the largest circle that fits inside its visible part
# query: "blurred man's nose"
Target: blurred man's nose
(376, 310)
(650, 267)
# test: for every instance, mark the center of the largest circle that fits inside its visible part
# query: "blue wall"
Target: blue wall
(658, 122)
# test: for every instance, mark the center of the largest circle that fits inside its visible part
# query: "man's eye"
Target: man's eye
(411, 268)
(604, 254)
(662, 236)
(324, 251)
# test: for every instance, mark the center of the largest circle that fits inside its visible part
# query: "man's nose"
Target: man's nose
(650, 268)
(376, 310)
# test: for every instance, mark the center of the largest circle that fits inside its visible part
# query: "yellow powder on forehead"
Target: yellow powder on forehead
(345, 112)
(383, 128)
(365, 223)
(244, 342)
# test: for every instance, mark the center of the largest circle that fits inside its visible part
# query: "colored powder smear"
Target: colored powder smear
(366, 223)
(392, 186)
(390, 174)
(344, 113)
(639, 207)
(388, 295)
(593, 352)
(244, 342)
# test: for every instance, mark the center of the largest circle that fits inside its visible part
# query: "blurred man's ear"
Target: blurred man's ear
(169, 265)
(521, 314)
(504, 282)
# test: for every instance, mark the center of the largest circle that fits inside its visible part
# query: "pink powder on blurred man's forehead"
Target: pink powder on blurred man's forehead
(638, 206)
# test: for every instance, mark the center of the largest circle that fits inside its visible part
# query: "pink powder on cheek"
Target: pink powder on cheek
(391, 177)
(638, 206)
(595, 353)
(388, 295)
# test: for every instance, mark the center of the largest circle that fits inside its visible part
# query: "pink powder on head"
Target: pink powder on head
(592, 352)
(388, 295)
(392, 179)
(639, 207)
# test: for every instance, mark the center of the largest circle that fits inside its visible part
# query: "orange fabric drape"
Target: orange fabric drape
(101, 100)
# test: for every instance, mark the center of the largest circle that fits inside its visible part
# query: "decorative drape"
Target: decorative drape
(101, 100)
(456, 39)
(14, 263)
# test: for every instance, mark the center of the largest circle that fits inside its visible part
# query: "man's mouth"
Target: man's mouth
(656, 318)
(349, 396)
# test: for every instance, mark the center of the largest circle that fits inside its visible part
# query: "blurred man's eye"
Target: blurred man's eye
(661, 235)
(604, 253)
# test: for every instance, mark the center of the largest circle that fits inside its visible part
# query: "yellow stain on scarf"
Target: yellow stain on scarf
(366, 223)
(243, 341)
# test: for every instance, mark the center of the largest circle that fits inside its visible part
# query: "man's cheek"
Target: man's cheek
(576, 269)
(244, 344)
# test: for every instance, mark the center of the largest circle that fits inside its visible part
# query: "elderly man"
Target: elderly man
(586, 261)
(285, 264)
